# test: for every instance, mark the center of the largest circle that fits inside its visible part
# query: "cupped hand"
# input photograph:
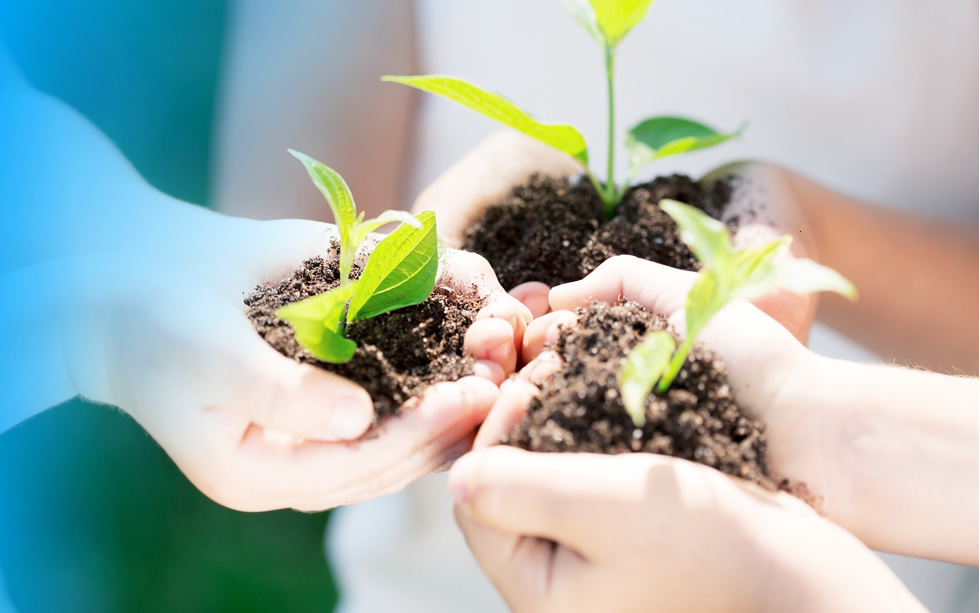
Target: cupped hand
(767, 367)
(164, 336)
(641, 532)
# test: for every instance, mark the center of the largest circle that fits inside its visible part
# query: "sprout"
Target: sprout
(728, 275)
(608, 21)
(401, 271)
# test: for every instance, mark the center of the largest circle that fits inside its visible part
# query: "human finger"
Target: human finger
(660, 288)
(560, 497)
(544, 331)
(318, 475)
(508, 411)
(492, 340)
(533, 295)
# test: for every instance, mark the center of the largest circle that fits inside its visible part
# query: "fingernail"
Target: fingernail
(351, 417)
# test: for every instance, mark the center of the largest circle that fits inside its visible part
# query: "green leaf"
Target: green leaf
(401, 271)
(316, 322)
(335, 190)
(708, 295)
(660, 137)
(609, 21)
(643, 366)
(802, 276)
(754, 265)
(562, 137)
(584, 14)
(363, 228)
(708, 238)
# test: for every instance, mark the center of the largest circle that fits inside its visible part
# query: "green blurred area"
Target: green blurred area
(96, 516)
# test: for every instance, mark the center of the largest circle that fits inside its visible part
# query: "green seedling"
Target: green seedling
(608, 21)
(401, 271)
(727, 275)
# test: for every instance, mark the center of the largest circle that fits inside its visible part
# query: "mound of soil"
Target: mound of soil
(555, 231)
(580, 409)
(399, 354)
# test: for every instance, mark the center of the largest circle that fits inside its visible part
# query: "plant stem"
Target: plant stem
(610, 194)
(675, 365)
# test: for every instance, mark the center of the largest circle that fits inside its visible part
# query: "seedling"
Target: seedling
(727, 275)
(401, 271)
(608, 21)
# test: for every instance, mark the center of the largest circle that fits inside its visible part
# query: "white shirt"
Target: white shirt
(874, 98)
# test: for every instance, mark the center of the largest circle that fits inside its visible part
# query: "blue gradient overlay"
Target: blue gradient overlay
(93, 515)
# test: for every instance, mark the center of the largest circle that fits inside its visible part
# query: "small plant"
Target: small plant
(727, 276)
(401, 271)
(608, 21)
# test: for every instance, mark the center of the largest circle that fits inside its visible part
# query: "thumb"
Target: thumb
(559, 497)
(659, 288)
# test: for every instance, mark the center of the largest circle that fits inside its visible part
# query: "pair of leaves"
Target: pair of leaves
(401, 272)
(648, 141)
(728, 275)
(608, 21)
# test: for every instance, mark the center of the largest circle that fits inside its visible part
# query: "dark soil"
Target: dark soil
(399, 354)
(580, 409)
(555, 231)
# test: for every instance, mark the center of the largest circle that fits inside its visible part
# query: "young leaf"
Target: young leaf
(583, 13)
(643, 366)
(727, 276)
(363, 228)
(708, 238)
(401, 271)
(317, 321)
(752, 266)
(562, 137)
(660, 137)
(609, 21)
(334, 189)
(800, 276)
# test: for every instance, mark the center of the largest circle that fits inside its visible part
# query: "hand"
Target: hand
(165, 338)
(640, 532)
(767, 367)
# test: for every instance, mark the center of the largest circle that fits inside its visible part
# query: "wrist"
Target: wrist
(807, 444)
(810, 565)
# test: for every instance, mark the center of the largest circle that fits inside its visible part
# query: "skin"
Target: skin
(866, 440)
(640, 532)
(156, 326)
